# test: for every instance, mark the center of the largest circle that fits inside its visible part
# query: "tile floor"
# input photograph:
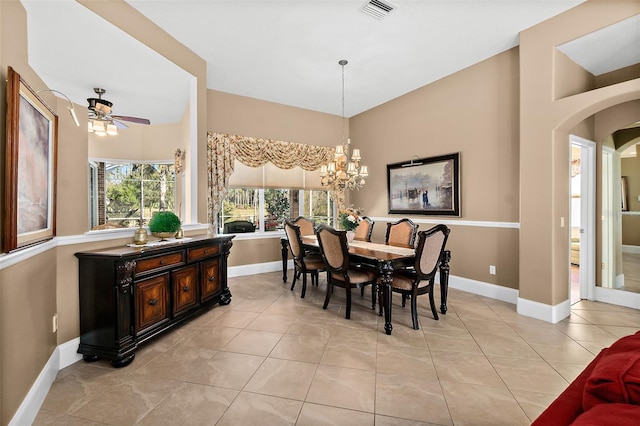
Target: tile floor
(271, 358)
(631, 269)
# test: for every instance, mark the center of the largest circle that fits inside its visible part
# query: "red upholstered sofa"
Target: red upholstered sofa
(607, 392)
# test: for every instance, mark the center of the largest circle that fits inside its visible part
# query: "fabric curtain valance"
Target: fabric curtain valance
(256, 152)
(223, 149)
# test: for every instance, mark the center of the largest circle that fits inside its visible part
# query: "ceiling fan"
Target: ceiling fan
(101, 121)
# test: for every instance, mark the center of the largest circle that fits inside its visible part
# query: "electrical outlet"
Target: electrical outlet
(492, 269)
(54, 323)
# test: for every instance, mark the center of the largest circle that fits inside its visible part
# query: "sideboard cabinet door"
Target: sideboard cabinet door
(184, 285)
(152, 301)
(210, 278)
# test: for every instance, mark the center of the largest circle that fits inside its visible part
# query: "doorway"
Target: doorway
(582, 220)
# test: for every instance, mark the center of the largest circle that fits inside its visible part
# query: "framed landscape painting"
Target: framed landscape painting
(30, 167)
(429, 186)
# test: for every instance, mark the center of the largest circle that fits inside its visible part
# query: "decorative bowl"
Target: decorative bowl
(163, 235)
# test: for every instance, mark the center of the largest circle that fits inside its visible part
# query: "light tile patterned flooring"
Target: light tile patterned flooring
(272, 358)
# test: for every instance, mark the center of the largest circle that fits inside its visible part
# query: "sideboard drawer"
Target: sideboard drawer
(198, 253)
(158, 262)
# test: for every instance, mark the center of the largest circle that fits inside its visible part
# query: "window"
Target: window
(268, 208)
(125, 192)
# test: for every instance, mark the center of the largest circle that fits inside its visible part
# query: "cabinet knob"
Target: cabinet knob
(186, 288)
(153, 302)
(162, 262)
(212, 278)
(206, 251)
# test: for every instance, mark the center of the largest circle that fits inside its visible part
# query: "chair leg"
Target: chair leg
(433, 304)
(348, 314)
(329, 291)
(304, 284)
(362, 291)
(380, 298)
(373, 296)
(296, 273)
(414, 310)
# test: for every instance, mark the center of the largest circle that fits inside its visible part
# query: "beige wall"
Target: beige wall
(474, 112)
(239, 115)
(544, 127)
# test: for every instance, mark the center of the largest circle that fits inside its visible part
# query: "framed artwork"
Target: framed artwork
(30, 167)
(624, 195)
(429, 186)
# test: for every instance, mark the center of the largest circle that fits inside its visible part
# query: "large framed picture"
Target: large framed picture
(429, 186)
(30, 167)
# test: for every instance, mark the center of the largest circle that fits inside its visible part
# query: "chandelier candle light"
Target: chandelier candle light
(342, 174)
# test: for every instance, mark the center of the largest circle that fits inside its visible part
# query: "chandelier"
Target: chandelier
(342, 174)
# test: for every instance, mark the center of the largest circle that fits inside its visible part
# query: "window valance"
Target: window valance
(224, 149)
(255, 152)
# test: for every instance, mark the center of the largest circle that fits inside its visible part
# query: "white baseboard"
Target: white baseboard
(541, 311)
(256, 268)
(481, 288)
(617, 297)
(28, 410)
(619, 281)
(630, 249)
(69, 353)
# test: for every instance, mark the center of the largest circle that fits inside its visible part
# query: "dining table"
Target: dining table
(385, 259)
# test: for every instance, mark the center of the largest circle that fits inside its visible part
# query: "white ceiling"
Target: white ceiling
(286, 51)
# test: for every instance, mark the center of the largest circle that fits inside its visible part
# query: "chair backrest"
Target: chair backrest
(401, 232)
(295, 242)
(333, 248)
(431, 244)
(364, 229)
(306, 225)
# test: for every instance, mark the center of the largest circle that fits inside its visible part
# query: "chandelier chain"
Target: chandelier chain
(343, 173)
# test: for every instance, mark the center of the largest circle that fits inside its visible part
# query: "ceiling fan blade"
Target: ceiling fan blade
(120, 124)
(131, 119)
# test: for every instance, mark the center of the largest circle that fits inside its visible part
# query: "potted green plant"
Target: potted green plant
(164, 224)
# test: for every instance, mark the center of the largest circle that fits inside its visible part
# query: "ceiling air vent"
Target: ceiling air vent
(377, 8)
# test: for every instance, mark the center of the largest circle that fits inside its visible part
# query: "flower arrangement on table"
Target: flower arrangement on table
(349, 219)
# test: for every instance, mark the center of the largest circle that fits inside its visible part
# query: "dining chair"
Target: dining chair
(401, 232)
(412, 283)
(303, 262)
(335, 252)
(364, 229)
(306, 225)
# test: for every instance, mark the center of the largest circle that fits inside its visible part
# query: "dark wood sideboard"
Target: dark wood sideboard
(129, 295)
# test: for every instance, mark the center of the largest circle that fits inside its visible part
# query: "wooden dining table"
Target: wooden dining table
(384, 258)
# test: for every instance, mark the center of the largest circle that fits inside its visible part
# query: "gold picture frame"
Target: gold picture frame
(30, 167)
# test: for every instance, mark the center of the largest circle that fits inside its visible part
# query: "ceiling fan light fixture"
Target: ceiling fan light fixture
(112, 129)
(99, 127)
